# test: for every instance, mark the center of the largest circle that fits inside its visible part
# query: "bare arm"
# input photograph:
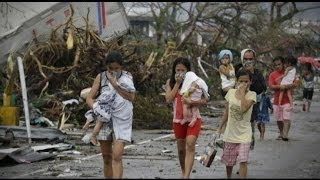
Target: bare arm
(293, 85)
(224, 119)
(125, 94)
(93, 92)
(202, 101)
(171, 93)
(284, 87)
(285, 72)
(280, 77)
(270, 105)
(245, 103)
(276, 87)
(224, 70)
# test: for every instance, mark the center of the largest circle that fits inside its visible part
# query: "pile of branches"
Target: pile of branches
(58, 67)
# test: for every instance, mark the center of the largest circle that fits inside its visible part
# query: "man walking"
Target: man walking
(282, 112)
(258, 85)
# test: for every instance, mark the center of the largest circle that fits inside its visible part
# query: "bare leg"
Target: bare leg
(304, 104)
(190, 152)
(286, 128)
(280, 127)
(229, 171)
(194, 111)
(243, 170)
(106, 151)
(95, 132)
(308, 105)
(186, 114)
(181, 145)
(290, 99)
(261, 130)
(118, 149)
(280, 97)
(192, 122)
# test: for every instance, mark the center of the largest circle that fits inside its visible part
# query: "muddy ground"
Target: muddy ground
(153, 154)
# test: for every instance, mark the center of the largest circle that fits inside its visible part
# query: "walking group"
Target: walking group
(246, 93)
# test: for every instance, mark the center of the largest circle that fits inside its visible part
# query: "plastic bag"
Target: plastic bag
(209, 153)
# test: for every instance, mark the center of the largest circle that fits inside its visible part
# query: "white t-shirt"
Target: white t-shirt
(289, 78)
(225, 82)
(238, 129)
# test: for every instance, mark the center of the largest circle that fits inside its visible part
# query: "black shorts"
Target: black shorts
(307, 94)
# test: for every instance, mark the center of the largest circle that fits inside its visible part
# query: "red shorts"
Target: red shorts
(182, 131)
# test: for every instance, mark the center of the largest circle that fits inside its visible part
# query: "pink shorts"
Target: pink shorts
(235, 152)
(282, 112)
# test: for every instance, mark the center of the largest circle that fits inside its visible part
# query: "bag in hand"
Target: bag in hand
(209, 153)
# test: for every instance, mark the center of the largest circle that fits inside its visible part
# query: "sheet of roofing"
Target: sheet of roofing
(109, 19)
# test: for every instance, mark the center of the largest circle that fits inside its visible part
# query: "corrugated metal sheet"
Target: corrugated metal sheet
(109, 18)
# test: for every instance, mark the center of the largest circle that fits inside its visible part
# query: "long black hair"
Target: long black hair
(180, 60)
(278, 58)
(114, 57)
(244, 72)
(291, 60)
(111, 57)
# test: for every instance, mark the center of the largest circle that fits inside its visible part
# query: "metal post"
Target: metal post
(24, 97)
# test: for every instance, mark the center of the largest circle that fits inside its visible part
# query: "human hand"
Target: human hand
(282, 87)
(186, 100)
(179, 76)
(86, 126)
(111, 78)
(217, 134)
(242, 87)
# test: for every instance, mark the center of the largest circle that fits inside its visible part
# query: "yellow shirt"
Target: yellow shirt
(238, 129)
